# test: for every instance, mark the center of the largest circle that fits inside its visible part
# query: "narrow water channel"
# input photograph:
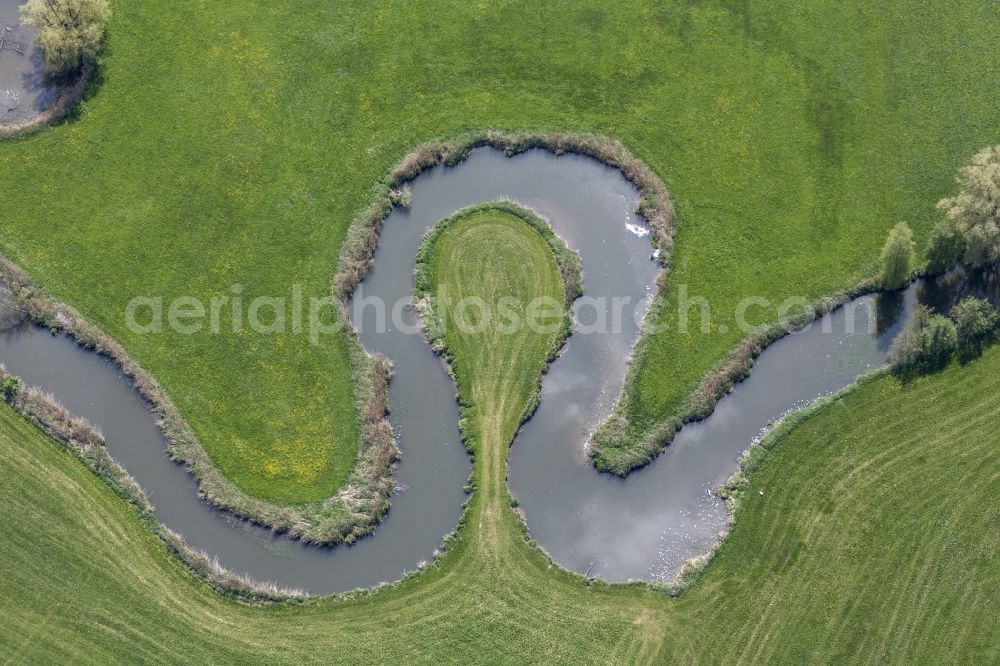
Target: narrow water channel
(643, 527)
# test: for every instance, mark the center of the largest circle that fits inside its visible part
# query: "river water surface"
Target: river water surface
(642, 527)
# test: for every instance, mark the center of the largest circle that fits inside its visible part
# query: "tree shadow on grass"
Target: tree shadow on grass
(94, 85)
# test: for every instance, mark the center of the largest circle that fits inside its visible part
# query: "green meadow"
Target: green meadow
(231, 143)
(867, 535)
(224, 149)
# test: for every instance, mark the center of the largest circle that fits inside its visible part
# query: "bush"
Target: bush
(974, 319)
(403, 197)
(71, 31)
(940, 340)
(897, 257)
(928, 342)
(9, 387)
(976, 210)
(945, 247)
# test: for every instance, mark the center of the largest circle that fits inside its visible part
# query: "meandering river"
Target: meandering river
(642, 527)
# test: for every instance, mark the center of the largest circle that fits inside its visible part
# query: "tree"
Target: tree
(983, 245)
(928, 341)
(70, 31)
(974, 319)
(945, 247)
(976, 209)
(897, 257)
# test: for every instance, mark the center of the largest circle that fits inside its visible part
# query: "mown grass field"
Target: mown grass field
(874, 541)
(232, 142)
(493, 255)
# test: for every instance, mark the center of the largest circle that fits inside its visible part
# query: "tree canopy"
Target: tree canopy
(974, 319)
(70, 31)
(971, 227)
(928, 341)
(897, 257)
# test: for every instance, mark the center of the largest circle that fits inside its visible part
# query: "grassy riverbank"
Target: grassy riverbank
(792, 138)
(874, 539)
